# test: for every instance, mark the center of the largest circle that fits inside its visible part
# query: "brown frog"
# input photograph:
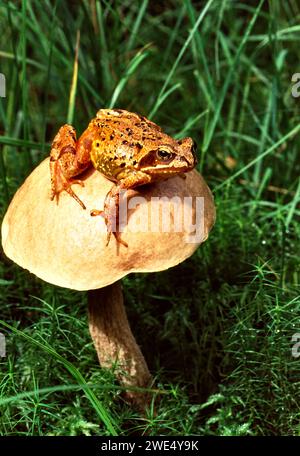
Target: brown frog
(125, 147)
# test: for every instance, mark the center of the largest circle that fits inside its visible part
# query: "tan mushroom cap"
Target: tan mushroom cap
(62, 244)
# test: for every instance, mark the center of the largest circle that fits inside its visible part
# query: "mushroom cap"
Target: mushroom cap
(64, 245)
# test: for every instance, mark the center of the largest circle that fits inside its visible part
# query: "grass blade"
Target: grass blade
(282, 140)
(179, 57)
(73, 90)
(228, 79)
(137, 23)
(100, 410)
(133, 65)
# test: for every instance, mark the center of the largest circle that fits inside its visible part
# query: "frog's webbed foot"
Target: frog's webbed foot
(59, 183)
(110, 213)
(63, 164)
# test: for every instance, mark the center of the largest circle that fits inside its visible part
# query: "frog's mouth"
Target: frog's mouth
(167, 169)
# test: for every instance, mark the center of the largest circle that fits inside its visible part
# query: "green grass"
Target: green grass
(216, 331)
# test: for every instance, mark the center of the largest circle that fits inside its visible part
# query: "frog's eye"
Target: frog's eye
(164, 155)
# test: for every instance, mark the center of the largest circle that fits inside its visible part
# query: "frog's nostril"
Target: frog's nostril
(189, 161)
(185, 160)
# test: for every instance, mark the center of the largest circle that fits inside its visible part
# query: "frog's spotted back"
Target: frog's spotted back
(116, 116)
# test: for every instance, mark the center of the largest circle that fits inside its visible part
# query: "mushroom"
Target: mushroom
(63, 245)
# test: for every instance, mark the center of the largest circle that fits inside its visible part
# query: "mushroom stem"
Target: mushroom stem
(114, 342)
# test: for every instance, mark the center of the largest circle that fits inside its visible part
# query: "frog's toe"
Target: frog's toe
(110, 225)
(77, 181)
(108, 238)
(60, 183)
(118, 238)
(95, 212)
(69, 190)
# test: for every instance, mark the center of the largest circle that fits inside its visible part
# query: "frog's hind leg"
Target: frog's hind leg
(64, 164)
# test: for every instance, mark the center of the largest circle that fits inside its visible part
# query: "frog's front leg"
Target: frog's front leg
(110, 213)
(111, 208)
(68, 158)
